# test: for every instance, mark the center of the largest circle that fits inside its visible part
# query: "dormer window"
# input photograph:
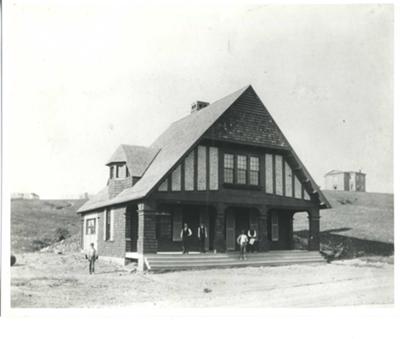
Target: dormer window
(118, 171)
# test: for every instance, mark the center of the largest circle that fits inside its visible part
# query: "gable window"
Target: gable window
(240, 169)
(254, 171)
(228, 168)
(241, 173)
(91, 226)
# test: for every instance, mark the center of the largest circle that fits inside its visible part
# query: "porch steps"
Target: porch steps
(167, 262)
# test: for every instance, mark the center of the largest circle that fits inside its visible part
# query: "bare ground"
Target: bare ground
(54, 280)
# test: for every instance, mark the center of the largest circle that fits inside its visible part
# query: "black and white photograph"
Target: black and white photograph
(197, 156)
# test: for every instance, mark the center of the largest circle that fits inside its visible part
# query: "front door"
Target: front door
(191, 216)
(90, 232)
(237, 219)
(242, 222)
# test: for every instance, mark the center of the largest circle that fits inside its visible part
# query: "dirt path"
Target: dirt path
(51, 280)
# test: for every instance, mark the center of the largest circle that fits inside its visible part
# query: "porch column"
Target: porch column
(313, 234)
(263, 219)
(291, 244)
(219, 239)
(147, 239)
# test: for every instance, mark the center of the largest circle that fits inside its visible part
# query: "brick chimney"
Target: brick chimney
(198, 105)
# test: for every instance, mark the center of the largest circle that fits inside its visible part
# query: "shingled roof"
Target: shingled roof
(172, 146)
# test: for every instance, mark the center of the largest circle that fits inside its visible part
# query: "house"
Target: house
(226, 165)
(25, 196)
(345, 181)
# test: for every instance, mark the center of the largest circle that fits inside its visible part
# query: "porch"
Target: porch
(155, 228)
(177, 261)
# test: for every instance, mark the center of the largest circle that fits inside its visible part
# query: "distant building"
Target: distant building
(84, 196)
(345, 181)
(26, 196)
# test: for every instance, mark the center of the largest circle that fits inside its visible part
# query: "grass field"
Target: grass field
(38, 223)
(366, 216)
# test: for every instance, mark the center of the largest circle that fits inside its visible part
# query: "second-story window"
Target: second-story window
(228, 168)
(241, 169)
(254, 177)
(241, 173)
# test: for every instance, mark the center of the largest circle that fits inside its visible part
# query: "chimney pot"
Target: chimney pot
(198, 105)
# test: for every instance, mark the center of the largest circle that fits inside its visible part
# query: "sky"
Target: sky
(79, 80)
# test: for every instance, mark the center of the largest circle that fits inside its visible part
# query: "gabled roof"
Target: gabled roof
(137, 158)
(175, 143)
(100, 199)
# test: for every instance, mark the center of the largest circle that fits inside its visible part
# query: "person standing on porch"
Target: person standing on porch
(252, 235)
(186, 233)
(242, 240)
(202, 235)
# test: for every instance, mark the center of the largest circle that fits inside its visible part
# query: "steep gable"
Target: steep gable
(248, 122)
(239, 117)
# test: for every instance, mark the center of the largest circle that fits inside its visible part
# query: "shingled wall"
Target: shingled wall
(247, 121)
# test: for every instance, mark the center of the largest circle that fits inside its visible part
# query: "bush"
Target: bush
(62, 233)
(38, 244)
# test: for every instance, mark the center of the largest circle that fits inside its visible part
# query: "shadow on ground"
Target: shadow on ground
(338, 246)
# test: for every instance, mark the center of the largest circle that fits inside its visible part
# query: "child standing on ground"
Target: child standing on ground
(242, 240)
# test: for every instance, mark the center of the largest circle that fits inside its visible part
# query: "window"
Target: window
(91, 226)
(108, 225)
(241, 173)
(127, 172)
(254, 170)
(111, 171)
(274, 227)
(241, 169)
(120, 173)
(228, 168)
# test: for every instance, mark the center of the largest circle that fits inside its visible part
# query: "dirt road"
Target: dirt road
(52, 280)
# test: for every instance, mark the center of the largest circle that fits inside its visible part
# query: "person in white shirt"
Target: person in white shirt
(186, 233)
(242, 240)
(92, 256)
(252, 235)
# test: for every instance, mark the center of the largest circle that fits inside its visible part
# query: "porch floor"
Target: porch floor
(178, 261)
